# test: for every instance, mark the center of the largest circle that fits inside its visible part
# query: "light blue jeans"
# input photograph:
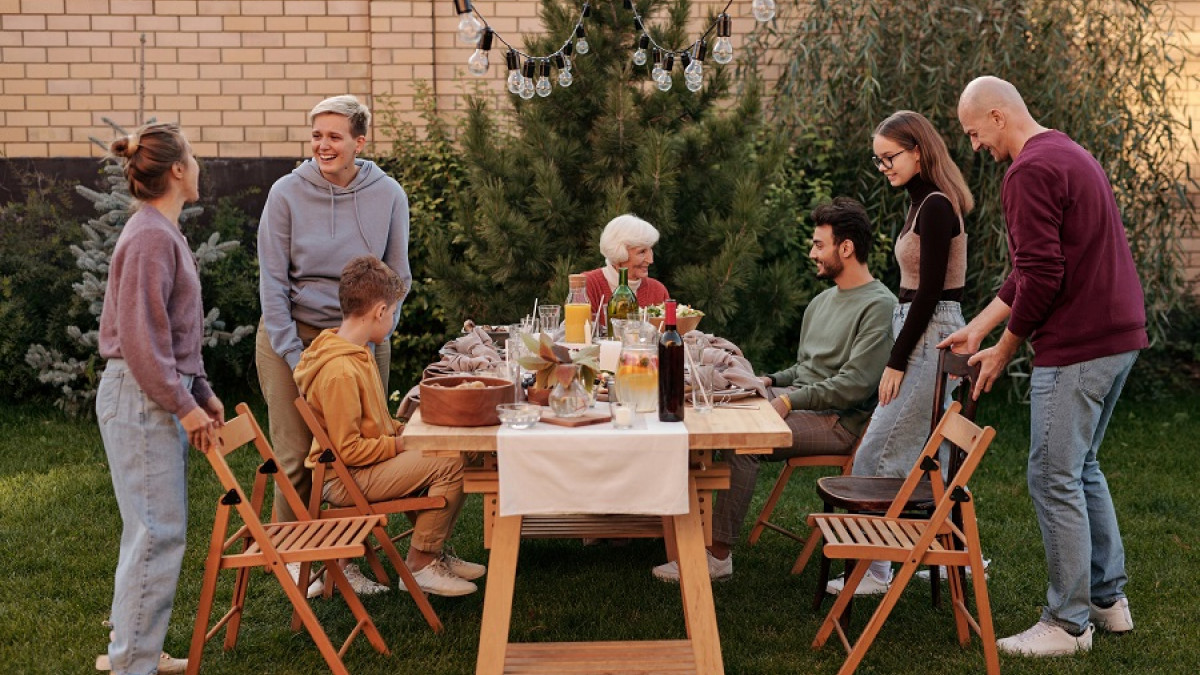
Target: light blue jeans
(898, 430)
(1071, 407)
(147, 457)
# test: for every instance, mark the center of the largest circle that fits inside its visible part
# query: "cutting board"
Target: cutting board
(589, 417)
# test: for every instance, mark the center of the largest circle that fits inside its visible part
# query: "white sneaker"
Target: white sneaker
(315, 585)
(870, 585)
(166, 664)
(718, 570)
(360, 583)
(924, 574)
(1046, 639)
(436, 578)
(1115, 619)
(463, 569)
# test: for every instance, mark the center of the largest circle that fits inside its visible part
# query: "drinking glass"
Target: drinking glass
(702, 387)
(550, 316)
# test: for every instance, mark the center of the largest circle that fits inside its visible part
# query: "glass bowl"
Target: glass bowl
(519, 415)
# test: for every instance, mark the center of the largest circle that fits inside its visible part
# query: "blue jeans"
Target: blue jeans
(147, 457)
(898, 430)
(1071, 407)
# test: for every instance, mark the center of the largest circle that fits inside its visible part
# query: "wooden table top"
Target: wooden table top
(756, 430)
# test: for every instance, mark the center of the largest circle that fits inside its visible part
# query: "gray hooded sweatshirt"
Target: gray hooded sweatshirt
(310, 229)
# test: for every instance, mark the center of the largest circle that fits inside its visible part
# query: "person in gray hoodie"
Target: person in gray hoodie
(332, 208)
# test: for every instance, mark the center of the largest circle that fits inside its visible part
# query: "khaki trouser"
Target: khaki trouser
(405, 474)
(290, 437)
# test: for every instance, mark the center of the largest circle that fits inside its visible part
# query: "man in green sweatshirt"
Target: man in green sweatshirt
(828, 396)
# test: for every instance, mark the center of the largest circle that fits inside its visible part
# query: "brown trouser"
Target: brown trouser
(290, 437)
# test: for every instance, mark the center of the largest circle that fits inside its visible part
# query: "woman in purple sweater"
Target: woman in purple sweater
(154, 396)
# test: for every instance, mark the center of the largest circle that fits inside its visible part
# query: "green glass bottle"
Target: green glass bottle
(623, 303)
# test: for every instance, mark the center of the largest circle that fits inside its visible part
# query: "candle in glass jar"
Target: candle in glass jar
(622, 416)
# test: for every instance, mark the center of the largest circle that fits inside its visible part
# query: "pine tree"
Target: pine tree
(544, 178)
(76, 379)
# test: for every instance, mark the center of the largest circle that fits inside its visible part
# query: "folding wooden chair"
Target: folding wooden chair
(913, 542)
(763, 522)
(331, 460)
(273, 546)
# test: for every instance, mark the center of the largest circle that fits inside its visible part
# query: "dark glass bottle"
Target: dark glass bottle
(623, 303)
(670, 369)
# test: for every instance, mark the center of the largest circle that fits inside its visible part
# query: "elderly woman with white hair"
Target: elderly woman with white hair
(332, 208)
(627, 242)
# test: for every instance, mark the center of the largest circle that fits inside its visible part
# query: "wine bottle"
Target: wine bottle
(623, 304)
(670, 369)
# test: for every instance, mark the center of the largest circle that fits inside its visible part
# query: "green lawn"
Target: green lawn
(59, 531)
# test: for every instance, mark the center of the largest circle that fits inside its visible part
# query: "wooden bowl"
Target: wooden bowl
(443, 405)
(683, 324)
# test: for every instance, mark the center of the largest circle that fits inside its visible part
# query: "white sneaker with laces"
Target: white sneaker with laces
(166, 664)
(870, 585)
(436, 578)
(1115, 619)
(360, 583)
(1046, 639)
(924, 574)
(465, 570)
(718, 570)
(315, 585)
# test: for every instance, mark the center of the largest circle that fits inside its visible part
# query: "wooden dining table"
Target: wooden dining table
(745, 430)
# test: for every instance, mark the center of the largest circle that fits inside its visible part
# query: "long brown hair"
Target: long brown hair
(910, 129)
(147, 156)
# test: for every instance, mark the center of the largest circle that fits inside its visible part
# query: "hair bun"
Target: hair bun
(125, 146)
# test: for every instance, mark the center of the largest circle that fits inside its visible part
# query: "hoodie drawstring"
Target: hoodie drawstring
(332, 209)
(358, 221)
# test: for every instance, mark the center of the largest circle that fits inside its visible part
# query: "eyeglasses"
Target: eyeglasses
(885, 162)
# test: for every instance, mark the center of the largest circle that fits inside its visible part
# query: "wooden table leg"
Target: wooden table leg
(497, 601)
(696, 588)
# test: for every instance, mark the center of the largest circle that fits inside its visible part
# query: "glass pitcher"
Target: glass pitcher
(637, 367)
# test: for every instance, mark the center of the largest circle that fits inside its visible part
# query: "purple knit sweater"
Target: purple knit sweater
(1073, 289)
(153, 316)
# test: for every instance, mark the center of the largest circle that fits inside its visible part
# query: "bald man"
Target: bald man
(1074, 294)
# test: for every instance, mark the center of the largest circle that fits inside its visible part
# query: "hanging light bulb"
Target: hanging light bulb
(469, 25)
(694, 68)
(565, 78)
(657, 71)
(722, 51)
(530, 69)
(639, 56)
(764, 10)
(513, 61)
(664, 81)
(543, 87)
(477, 65)
(581, 43)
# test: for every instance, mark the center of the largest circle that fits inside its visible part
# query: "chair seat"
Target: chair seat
(308, 540)
(871, 494)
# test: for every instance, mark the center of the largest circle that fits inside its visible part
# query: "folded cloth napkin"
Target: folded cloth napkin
(595, 469)
(731, 369)
(467, 354)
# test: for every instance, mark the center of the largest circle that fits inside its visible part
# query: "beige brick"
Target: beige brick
(68, 118)
(48, 102)
(10, 6)
(291, 118)
(197, 119)
(245, 23)
(267, 39)
(131, 103)
(242, 55)
(177, 71)
(324, 87)
(218, 7)
(201, 55)
(221, 39)
(179, 39)
(67, 87)
(220, 71)
(23, 22)
(397, 9)
(282, 150)
(303, 71)
(113, 23)
(69, 22)
(109, 54)
(222, 133)
(28, 118)
(36, 87)
(159, 24)
(347, 6)
(42, 6)
(328, 24)
(158, 87)
(136, 7)
(10, 38)
(347, 39)
(27, 150)
(159, 54)
(219, 102)
(380, 24)
(237, 149)
(392, 40)
(284, 56)
(360, 24)
(46, 39)
(11, 134)
(88, 38)
(242, 118)
(287, 24)
(348, 70)
(12, 71)
(241, 87)
(12, 103)
(24, 54)
(263, 71)
(300, 102)
(175, 102)
(91, 71)
(204, 149)
(261, 102)
(114, 86)
(262, 7)
(177, 7)
(91, 102)
(305, 7)
(304, 39)
(200, 24)
(131, 39)
(281, 87)
(49, 134)
(203, 88)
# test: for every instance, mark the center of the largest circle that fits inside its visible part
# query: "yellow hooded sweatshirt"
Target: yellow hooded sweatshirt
(340, 381)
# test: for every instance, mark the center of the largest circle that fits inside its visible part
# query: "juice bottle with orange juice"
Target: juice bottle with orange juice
(577, 311)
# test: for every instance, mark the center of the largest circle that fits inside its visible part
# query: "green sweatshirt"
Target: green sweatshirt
(845, 340)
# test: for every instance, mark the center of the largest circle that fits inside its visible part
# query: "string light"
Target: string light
(469, 26)
(722, 51)
(565, 78)
(513, 60)
(763, 10)
(477, 65)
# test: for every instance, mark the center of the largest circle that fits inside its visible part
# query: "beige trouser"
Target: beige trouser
(290, 437)
(405, 474)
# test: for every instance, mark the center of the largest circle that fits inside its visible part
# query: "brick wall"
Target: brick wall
(1188, 14)
(239, 75)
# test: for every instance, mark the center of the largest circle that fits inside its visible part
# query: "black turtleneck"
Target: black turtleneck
(936, 224)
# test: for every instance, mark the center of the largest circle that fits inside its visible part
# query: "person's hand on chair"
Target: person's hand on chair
(199, 426)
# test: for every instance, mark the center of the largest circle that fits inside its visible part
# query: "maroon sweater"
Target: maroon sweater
(649, 292)
(1073, 288)
(153, 317)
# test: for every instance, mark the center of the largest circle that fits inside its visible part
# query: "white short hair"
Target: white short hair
(625, 230)
(347, 106)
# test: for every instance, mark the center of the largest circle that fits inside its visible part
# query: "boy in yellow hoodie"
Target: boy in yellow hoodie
(338, 377)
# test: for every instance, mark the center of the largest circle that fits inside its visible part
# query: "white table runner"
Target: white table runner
(552, 470)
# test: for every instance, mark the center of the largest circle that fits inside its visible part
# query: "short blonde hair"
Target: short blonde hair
(625, 230)
(347, 106)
